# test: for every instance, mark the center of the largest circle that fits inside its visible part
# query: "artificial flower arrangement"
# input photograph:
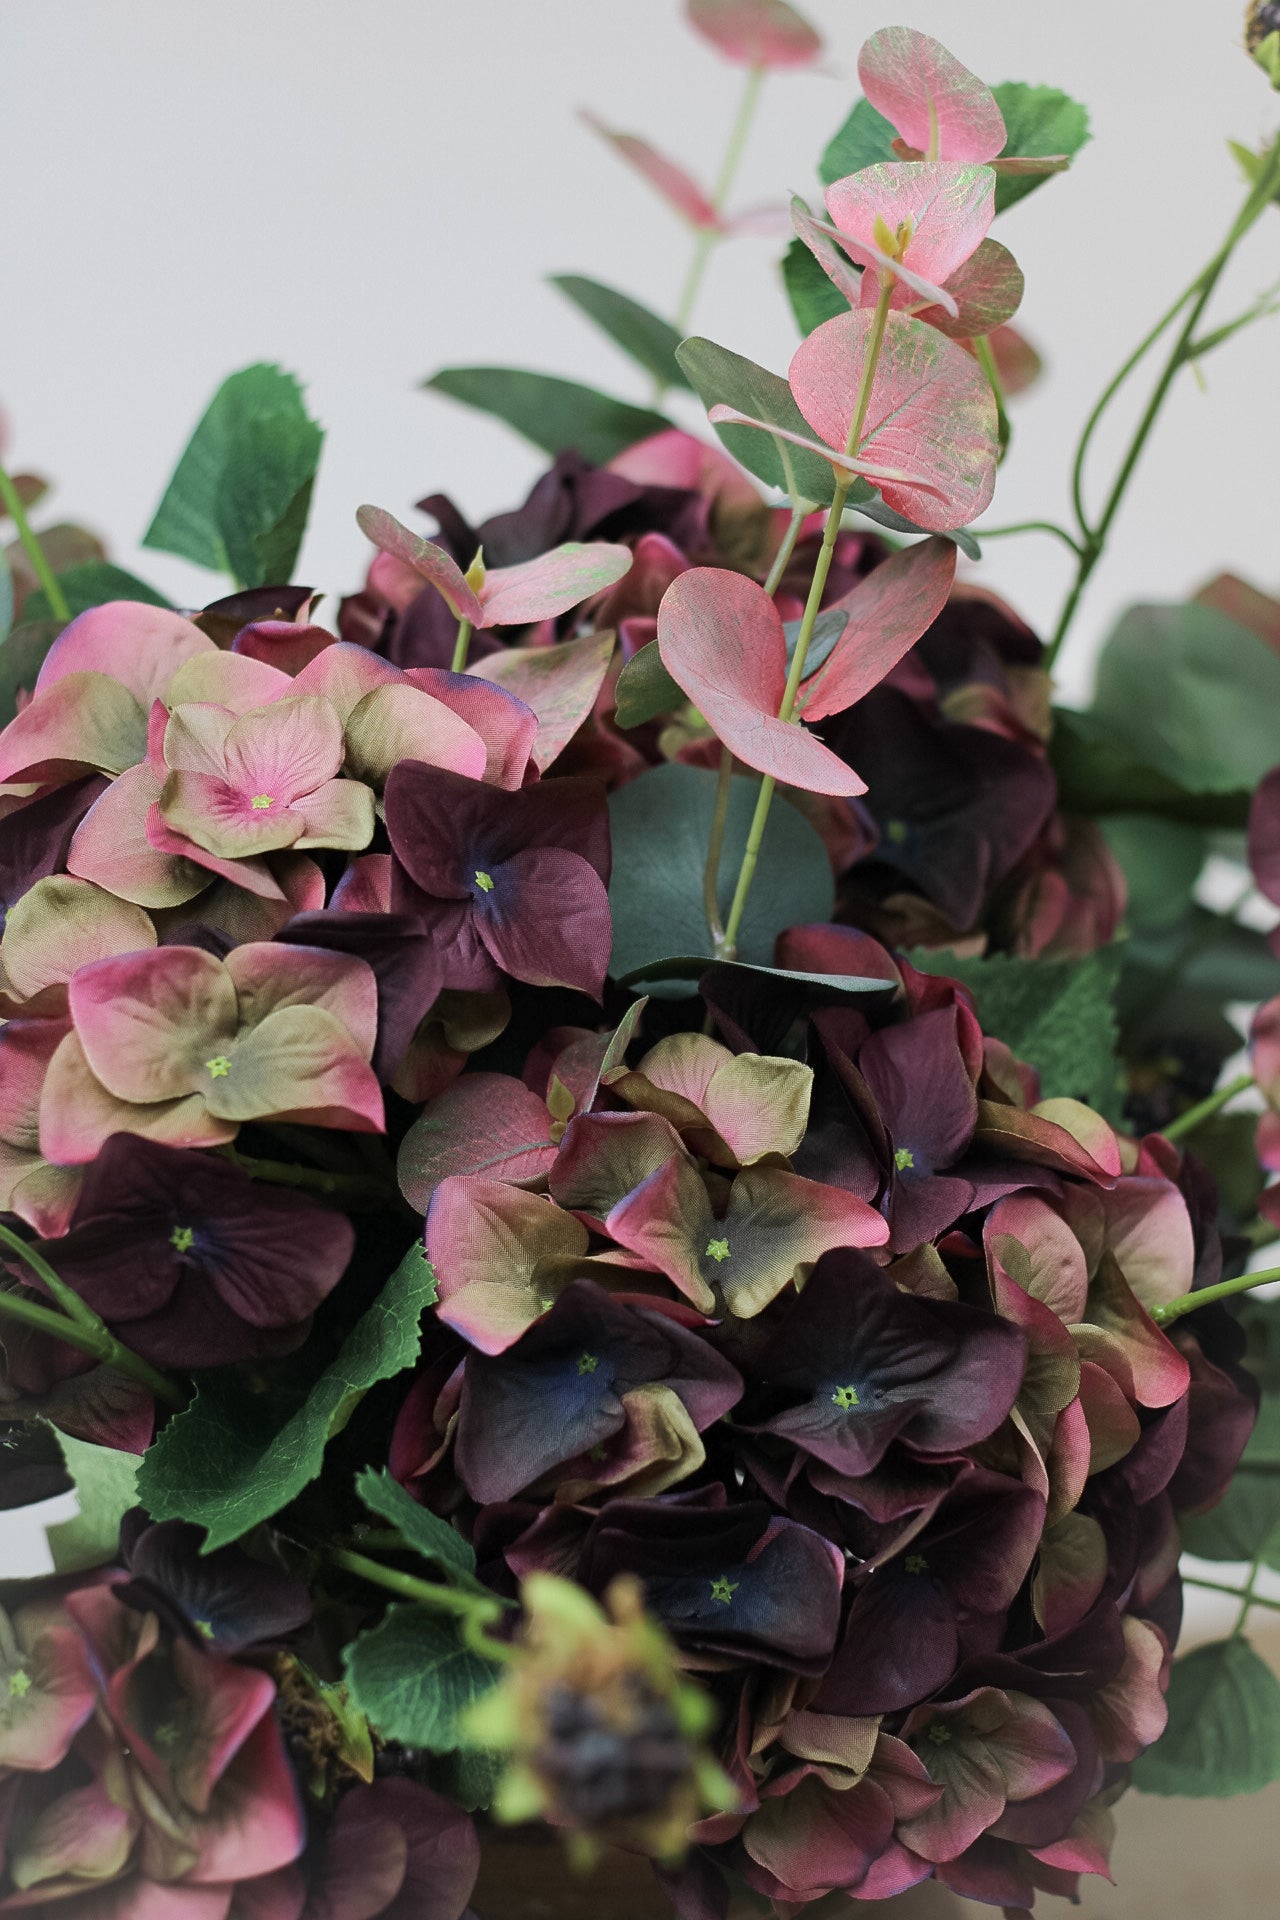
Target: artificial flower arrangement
(617, 1198)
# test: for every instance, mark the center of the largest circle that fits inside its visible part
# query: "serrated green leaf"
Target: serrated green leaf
(106, 1487)
(239, 496)
(1039, 122)
(1058, 1015)
(649, 340)
(865, 139)
(89, 586)
(660, 824)
(1223, 1736)
(421, 1529)
(645, 689)
(555, 414)
(814, 298)
(720, 377)
(229, 1462)
(414, 1679)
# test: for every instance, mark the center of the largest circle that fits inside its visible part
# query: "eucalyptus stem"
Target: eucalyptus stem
(474, 1611)
(1248, 1597)
(67, 1298)
(1236, 1593)
(1033, 526)
(987, 361)
(1184, 349)
(461, 647)
(1172, 1310)
(817, 587)
(1205, 1109)
(96, 1342)
(282, 1173)
(34, 551)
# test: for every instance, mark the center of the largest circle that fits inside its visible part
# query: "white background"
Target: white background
(368, 191)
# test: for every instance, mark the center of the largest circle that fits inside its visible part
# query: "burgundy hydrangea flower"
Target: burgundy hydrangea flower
(225, 1601)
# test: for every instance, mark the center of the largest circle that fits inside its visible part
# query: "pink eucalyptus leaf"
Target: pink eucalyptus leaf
(110, 847)
(677, 188)
(487, 1123)
(821, 242)
(756, 33)
(930, 409)
(721, 640)
(559, 684)
(943, 210)
(400, 722)
(140, 646)
(228, 680)
(431, 562)
(543, 588)
(844, 463)
(149, 1021)
(83, 720)
(986, 290)
(934, 101)
(767, 222)
(887, 612)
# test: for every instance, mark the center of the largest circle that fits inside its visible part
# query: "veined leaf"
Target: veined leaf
(555, 414)
(650, 340)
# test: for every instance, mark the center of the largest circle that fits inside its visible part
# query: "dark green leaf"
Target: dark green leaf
(555, 414)
(413, 1678)
(645, 689)
(650, 340)
(105, 1482)
(1039, 122)
(239, 496)
(1223, 1735)
(1211, 954)
(1226, 1145)
(865, 138)
(814, 298)
(21, 658)
(723, 378)
(875, 509)
(91, 585)
(1161, 860)
(1245, 1521)
(1193, 694)
(661, 823)
(1056, 1014)
(1101, 773)
(827, 629)
(469, 1777)
(6, 598)
(229, 1462)
(421, 1529)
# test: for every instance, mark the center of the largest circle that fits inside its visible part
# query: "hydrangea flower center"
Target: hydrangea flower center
(939, 1733)
(219, 1067)
(717, 1250)
(19, 1683)
(182, 1238)
(261, 801)
(916, 1563)
(587, 1363)
(904, 1159)
(845, 1397)
(723, 1589)
(484, 881)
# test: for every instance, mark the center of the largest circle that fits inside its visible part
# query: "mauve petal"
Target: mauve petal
(298, 1063)
(191, 739)
(506, 725)
(111, 847)
(344, 674)
(282, 643)
(85, 720)
(487, 1241)
(402, 722)
(82, 1835)
(149, 1021)
(255, 1821)
(252, 874)
(929, 95)
(425, 558)
(547, 920)
(286, 749)
(141, 646)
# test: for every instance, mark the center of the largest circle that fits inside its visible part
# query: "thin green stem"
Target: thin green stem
(1032, 526)
(282, 1173)
(34, 551)
(97, 1343)
(67, 1297)
(1199, 294)
(1236, 1593)
(474, 1611)
(1172, 1310)
(1109, 393)
(461, 647)
(987, 361)
(1205, 1109)
(1248, 1597)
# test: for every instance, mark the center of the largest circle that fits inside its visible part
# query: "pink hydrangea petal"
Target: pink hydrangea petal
(344, 674)
(677, 188)
(341, 814)
(282, 643)
(82, 720)
(506, 725)
(251, 873)
(268, 977)
(559, 684)
(931, 409)
(401, 722)
(1150, 1234)
(110, 847)
(543, 588)
(222, 820)
(82, 1835)
(757, 33)
(486, 1123)
(429, 561)
(667, 1221)
(721, 640)
(140, 646)
(300, 1063)
(255, 1821)
(194, 738)
(285, 750)
(365, 887)
(934, 101)
(62, 923)
(887, 612)
(488, 1242)
(77, 1114)
(148, 1021)
(232, 680)
(1051, 1266)
(674, 458)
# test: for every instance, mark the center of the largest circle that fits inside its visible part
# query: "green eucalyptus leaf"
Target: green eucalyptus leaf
(414, 1679)
(875, 509)
(90, 586)
(230, 1461)
(106, 1487)
(660, 824)
(1101, 772)
(239, 496)
(421, 1529)
(1039, 122)
(1161, 861)
(21, 658)
(1244, 1524)
(1058, 1015)
(865, 139)
(814, 298)
(555, 414)
(650, 340)
(645, 689)
(722, 378)
(6, 598)
(1223, 1736)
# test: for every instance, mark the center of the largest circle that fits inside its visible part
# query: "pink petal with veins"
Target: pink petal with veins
(559, 684)
(252, 874)
(677, 187)
(77, 1114)
(757, 33)
(148, 1020)
(344, 674)
(946, 209)
(888, 612)
(400, 722)
(930, 96)
(111, 848)
(268, 977)
(429, 561)
(506, 725)
(228, 680)
(82, 720)
(140, 646)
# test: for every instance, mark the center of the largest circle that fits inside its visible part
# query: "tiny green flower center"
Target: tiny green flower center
(717, 1250)
(167, 1735)
(939, 1733)
(895, 831)
(587, 1363)
(182, 1238)
(845, 1397)
(916, 1563)
(484, 881)
(205, 1629)
(904, 1159)
(19, 1683)
(261, 801)
(723, 1589)
(219, 1067)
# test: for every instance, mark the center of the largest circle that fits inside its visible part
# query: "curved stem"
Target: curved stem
(67, 1298)
(97, 1343)
(1032, 526)
(282, 1173)
(1205, 1109)
(475, 1611)
(1108, 394)
(1237, 1593)
(34, 551)
(461, 647)
(1172, 1310)
(987, 361)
